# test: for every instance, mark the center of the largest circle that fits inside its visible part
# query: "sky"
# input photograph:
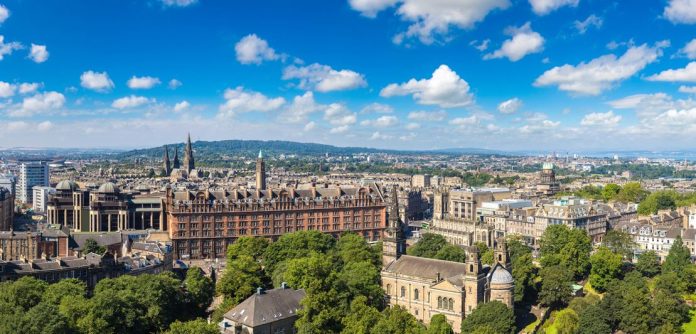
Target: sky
(561, 75)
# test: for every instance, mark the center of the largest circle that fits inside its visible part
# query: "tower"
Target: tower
(441, 199)
(501, 253)
(188, 156)
(474, 280)
(260, 172)
(175, 163)
(167, 167)
(393, 243)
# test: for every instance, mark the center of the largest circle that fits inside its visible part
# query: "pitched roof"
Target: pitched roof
(424, 267)
(267, 307)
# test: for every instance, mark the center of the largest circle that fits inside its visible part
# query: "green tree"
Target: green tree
(659, 200)
(73, 308)
(91, 246)
(352, 247)
(485, 253)
(606, 266)
(249, 246)
(114, 312)
(494, 314)
(397, 320)
(428, 245)
(523, 274)
(678, 261)
(55, 292)
(648, 264)
(362, 279)
(451, 253)
(200, 290)
(44, 318)
(580, 304)
(610, 191)
(241, 279)
(24, 293)
(620, 242)
(439, 325)
(635, 311)
(296, 245)
(631, 192)
(361, 318)
(567, 247)
(198, 326)
(593, 320)
(566, 321)
(669, 308)
(556, 286)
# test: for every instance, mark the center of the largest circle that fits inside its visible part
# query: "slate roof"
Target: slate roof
(426, 268)
(266, 307)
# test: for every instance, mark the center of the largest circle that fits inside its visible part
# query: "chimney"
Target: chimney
(438, 276)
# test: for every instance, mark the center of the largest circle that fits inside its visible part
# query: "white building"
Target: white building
(8, 182)
(31, 174)
(40, 198)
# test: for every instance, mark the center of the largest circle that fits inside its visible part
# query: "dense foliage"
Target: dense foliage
(494, 314)
(435, 246)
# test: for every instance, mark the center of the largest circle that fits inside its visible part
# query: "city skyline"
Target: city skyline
(393, 74)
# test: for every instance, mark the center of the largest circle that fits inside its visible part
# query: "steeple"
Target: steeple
(393, 243)
(260, 172)
(188, 156)
(167, 167)
(175, 162)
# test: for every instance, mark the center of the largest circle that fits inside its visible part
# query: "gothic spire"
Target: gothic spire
(188, 155)
(167, 165)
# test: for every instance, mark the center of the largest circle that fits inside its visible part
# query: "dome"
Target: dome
(66, 185)
(501, 276)
(108, 188)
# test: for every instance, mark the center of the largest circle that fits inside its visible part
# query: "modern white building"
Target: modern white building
(31, 174)
(40, 198)
(8, 182)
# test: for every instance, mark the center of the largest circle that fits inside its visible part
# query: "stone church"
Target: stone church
(426, 287)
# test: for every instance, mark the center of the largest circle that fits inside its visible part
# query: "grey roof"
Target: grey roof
(501, 275)
(102, 239)
(108, 188)
(67, 185)
(267, 307)
(425, 267)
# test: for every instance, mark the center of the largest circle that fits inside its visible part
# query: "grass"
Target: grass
(690, 327)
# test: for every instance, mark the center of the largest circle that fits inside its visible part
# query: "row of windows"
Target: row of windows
(315, 214)
(442, 302)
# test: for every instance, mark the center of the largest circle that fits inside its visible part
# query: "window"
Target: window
(415, 294)
(451, 304)
(403, 292)
(388, 289)
(439, 302)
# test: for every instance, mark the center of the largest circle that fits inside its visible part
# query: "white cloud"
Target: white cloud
(524, 41)
(601, 73)
(339, 129)
(378, 108)
(181, 106)
(310, 126)
(687, 89)
(681, 11)
(130, 102)
(412, 126)
(28, 88)
(445, 88)
(686, 74)
(339, 115)
(44, 126)
(689, 50)
(539, 127)
(648, 106)
(598, 119)
(381, 122)
(482, 46)
(240, 100)
(323, 78)
(431, 116)
(38, 53)
(380, 136)
(178, 3)
(38, 103)
(300, 108)
(7, 89)
(96, 81)
(174, 84)
(465, 121)
(7, 48)
(590, 21)
(4, 13)
(430, 19)
(253, 50)
(143, 82)
(543, 7)
(510, 106)
(16, 126)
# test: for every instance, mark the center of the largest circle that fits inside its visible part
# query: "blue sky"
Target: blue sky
(569, 75)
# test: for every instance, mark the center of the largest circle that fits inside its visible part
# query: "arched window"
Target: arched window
(439, 302)
(403, 292)
(415, 294)
(451, 304)
(471, 268)
(388, 289)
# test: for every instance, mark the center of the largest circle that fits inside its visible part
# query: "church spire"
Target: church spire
(175, 163)
(393, 243)
(260, 172)
(189, 163)
(167, 166)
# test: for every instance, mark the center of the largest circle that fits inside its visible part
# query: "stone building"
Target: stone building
(6, 209)
(426, 287)
(260, 172)
(548, 184)
(265, 312)
(574, 213)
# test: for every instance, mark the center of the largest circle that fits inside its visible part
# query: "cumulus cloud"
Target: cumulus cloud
(338, 114)
(430, 19)
(96, 81)
(300, 108)
(181, 106)
(524, 41)
(6, 49)
(339, 129)
(174, 84)
(381, 122)
(481, 46)
(687, 89)
(143, 82)
(681, 11)
(28, 88)
(590, 21)
(178, 3)
(253, 50)
(131, 101)
(431, 116)
(378, 108)
(445, 88)
(413, 126)
(686, 74)
(323, 78)
(38, 53)
(4, 13)
(240, 100)
(598, 119)
(543, 7)
(16, 126)
(7, 89)
(380, 136)
(44, 126)
(647, 106)
(510, 106)
(601, 73)
(39, 103)
(689, 50)
(310, 126)
(465, 121)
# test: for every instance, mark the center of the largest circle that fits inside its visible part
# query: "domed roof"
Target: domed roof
(66, 185)
(108, 188)
(501, 276)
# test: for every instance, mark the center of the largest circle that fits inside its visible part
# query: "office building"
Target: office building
(40, 198)
(31, 174)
